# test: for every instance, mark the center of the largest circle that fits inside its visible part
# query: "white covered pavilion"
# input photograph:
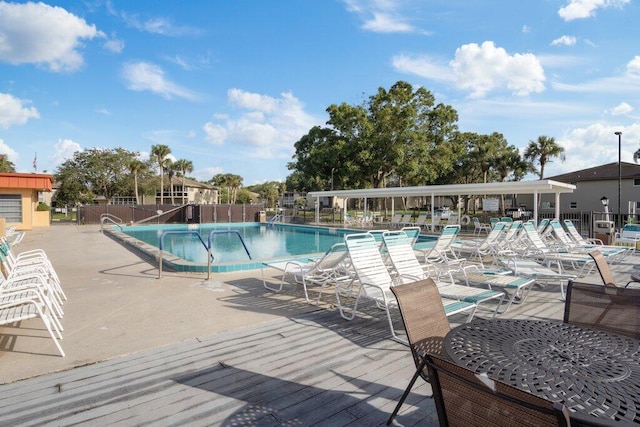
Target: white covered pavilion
(536, 188)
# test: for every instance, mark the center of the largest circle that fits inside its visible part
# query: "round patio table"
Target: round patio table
(593, 373)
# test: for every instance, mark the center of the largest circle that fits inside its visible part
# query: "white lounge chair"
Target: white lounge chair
(477, 249)
(564, 241)
(515, 287)
(17, 306)
(372, 281)
(408, 268)
(479, 227)
(542, 274)
(533, 247)
(332, 267)
(441, 251)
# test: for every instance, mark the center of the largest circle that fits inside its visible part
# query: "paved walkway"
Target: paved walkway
(117, 305)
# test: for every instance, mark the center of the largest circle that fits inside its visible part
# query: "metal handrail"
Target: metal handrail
(207, 245)
(108, 217)
(161, 245)
(209, 241)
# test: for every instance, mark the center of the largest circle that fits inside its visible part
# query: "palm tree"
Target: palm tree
(544, 149)
(235, 182)
(183, 167)
(170, 170)
(136, 167)
(636, 156)
(159, 153)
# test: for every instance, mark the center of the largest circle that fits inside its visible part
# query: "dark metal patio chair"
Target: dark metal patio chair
(607, 308)
(426, 324)
(464, 398)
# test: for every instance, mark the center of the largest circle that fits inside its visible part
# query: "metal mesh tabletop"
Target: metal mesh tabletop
(593, 373)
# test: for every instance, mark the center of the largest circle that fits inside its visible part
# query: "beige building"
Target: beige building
(20, 194)
(599, 182)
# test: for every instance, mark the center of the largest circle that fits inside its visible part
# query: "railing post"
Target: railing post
(209, 259)
(160, 263)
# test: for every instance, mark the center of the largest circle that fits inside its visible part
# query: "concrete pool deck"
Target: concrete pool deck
(117, 305)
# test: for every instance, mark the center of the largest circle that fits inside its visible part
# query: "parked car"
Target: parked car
(518, 213)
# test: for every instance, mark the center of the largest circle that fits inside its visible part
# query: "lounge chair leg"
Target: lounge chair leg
(406, 392)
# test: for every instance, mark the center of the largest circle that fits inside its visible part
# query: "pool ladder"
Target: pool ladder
(206, 245)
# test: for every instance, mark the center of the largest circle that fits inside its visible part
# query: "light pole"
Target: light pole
(332, 169)
(619, 178)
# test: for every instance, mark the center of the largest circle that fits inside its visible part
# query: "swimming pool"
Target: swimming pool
(186, 252)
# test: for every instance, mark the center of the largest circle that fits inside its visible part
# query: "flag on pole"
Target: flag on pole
(35, 162)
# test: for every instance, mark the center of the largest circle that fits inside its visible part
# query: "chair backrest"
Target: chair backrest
(573, 232)
(367, 262)
(464, 398)
(447, 236)
(413, 233)
(542, 225)
(423, 317)
(604, 307)
(603, 268)
(402, 256)
(332, 258)
(493, 221)
(495, 234)
(560, 234)
(534, 237)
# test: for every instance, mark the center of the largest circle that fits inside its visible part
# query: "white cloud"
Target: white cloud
(622, 108)
(216, 133)
(633, 67)
(144, 76)
(480, 69)
(268, 126)
(36, 33)
(595, 145)
(64, 150)
(578, 9)
(207, 173)
(564, 41)
(114, 45)
(8, 151)
(526, 29)
(381, 16)
(626, 83)
(154, 25)
(486, 67)
(14, 112)
(386, 23)
(423, 66)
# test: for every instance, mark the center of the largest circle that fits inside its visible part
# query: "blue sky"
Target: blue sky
(231, 85)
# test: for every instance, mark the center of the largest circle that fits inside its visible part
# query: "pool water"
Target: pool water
(263, 241)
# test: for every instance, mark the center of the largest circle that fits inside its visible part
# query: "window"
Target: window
(573, 205)
(636, 182)
(123, 200)
(11, 207)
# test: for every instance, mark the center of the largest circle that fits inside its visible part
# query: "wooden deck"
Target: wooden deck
(309, 369)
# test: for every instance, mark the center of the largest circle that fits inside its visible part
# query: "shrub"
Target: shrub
(43, 207)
